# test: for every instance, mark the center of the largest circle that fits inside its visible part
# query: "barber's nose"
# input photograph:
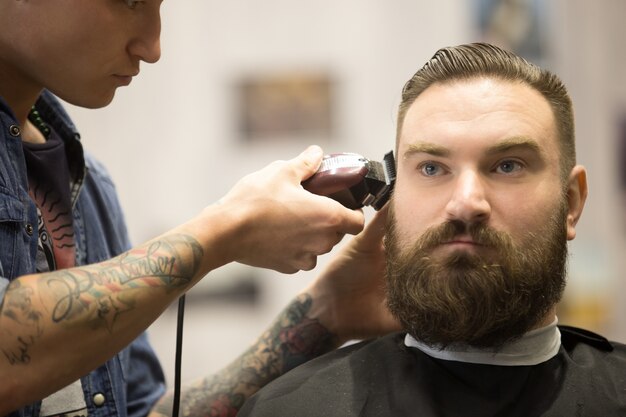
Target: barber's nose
(146, 45)
(468, 202)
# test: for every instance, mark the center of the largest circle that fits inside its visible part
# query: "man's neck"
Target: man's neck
(19, 92)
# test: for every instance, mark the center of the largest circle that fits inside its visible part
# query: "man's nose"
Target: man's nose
(468, 202)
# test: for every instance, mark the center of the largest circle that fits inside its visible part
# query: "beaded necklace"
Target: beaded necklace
(37, 121)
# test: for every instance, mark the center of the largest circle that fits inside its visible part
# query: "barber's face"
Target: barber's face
(477, 245)
(81, 50)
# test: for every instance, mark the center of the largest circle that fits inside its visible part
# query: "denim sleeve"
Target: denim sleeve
(145, 381)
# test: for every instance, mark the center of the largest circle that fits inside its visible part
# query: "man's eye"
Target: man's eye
(508, 167)
(430, 169)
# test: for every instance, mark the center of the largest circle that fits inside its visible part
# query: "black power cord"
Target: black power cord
(179, 355)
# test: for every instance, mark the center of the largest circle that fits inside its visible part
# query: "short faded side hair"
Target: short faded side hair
(476, 60)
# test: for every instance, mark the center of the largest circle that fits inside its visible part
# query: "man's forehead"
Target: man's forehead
(498, 113)
(477, 94)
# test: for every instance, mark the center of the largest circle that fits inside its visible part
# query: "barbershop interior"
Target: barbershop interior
(242, 83)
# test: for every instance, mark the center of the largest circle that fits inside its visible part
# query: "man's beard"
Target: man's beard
(464, 298)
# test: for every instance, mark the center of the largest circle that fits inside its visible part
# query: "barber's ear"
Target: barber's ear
(576, 196)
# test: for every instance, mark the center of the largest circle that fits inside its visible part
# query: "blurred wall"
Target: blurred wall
(170, 141)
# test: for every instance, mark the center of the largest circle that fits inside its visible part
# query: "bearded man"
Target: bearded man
(487, 195)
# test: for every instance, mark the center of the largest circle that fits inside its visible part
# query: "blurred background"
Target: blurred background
(242, 83)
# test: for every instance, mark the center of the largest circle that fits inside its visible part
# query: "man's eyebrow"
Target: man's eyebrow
(501, 147)
(426, 147)
(513, 143)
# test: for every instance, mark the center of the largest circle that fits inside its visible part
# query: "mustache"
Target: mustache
(480, 234)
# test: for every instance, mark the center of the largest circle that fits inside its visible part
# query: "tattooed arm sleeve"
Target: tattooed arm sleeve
(291, 340)
(57, 326)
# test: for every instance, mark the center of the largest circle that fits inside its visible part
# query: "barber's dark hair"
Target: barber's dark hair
(484, 60)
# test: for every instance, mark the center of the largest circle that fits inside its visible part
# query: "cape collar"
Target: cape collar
(533, 348)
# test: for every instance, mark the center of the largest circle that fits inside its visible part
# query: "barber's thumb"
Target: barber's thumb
(309, 161)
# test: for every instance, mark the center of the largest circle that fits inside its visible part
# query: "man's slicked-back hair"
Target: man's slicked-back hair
(478, 60)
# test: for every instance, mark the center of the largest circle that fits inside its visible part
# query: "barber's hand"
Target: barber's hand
(283, 226)
(349, 296)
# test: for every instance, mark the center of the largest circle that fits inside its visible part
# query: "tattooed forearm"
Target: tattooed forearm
(17, 308)
(96, 295)
(163, 261)
(292, 340)
(299, 337)
(106, 290)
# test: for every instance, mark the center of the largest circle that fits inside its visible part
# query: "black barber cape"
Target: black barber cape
(379, 378)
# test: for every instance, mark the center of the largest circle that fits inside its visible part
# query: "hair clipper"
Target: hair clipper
(354, 180)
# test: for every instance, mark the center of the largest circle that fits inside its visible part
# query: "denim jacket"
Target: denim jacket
(132, 381)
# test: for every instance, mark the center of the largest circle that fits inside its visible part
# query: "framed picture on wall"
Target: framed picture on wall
(285, 106)
(516, 25)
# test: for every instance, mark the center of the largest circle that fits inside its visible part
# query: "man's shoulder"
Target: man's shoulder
(574, 337)
(97, 169)
(586, 348)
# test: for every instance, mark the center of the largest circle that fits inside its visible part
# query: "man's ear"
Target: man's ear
(576, 197)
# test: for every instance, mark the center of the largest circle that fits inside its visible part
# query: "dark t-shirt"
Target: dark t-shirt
(49, 188)
(384, 377)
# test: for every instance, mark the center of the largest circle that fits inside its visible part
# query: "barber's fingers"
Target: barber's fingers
(352, 222)
(304, 166)
(372, 236)
(307, 163)
(307, 262)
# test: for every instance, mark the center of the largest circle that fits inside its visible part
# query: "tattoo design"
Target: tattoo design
(97, 295)
(17, 308)
(303, 339)
(292, 340)
(107, 290)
